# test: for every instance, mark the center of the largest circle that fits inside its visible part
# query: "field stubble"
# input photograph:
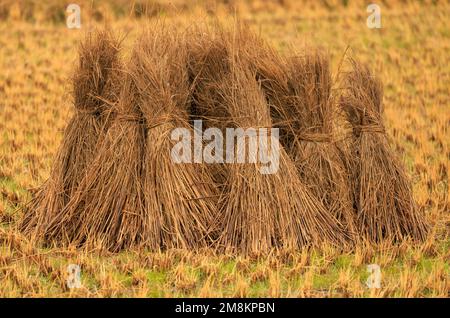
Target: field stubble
(410, 54)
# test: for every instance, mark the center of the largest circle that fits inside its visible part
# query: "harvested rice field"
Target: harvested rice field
(92, 203)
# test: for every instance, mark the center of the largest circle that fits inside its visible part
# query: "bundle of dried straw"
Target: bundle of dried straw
(309, 112)
(258, 212)
(181, 199)
(95, 88)
(382, 191)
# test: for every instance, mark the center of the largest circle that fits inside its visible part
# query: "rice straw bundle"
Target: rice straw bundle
(106, 211)
(180, 197)
(258, 212)
(298, 90)
(384, 200)
(310, 113)
(95, 86)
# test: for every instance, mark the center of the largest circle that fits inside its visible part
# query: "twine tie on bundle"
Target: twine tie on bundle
(369, 128)
(315, 137)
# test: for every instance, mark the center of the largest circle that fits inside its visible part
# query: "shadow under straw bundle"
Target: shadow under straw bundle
(258, 211)
(180, 197)
(383, 194)
(95, 87)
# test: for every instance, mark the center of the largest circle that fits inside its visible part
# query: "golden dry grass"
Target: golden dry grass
(410, 54)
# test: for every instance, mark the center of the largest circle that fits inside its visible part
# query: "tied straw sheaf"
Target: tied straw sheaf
(114, 184)
(383, 196)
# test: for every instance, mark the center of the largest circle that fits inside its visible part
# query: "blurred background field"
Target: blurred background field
(411, 55)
